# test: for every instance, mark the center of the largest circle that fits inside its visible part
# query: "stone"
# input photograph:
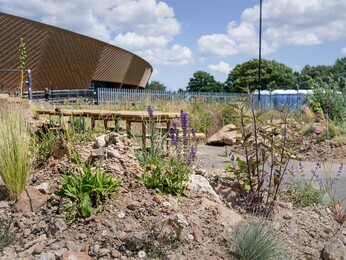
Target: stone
(134, 205)
(30, 200)
(56, 227)
(288, 216)
(71, 246)
(334, 250)
(113, 154)
(115, 254)
(98, 153)
(226, 136)
(61, 150)
(75, 256)
(47, 256)
(43, 187)
(197, 235)
(199, 186)
(100, 141)
(3, 204)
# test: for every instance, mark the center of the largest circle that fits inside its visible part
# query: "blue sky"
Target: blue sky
(180, 37)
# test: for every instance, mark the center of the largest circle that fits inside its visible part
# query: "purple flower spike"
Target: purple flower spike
(150, 112)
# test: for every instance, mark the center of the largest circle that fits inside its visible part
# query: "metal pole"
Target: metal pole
(29, 84)
(260, 56)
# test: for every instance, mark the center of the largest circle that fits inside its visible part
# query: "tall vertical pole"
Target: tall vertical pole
(260, 56)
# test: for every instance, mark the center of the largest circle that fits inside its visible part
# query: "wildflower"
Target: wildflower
(318, 165)
(317, 132)
(328, 107)
(150, 112)
(142, 254)
(121, 214)
(190, 237)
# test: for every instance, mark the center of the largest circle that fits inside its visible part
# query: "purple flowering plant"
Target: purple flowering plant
(168, 174)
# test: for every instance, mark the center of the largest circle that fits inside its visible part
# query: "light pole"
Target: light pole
(260, 55)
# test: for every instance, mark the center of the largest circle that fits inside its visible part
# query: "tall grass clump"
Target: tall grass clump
(15, 149)
(254, 240)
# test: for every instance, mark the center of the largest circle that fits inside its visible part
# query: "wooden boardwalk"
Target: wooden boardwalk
(108, 115)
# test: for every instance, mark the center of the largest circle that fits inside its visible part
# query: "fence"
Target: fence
(266, 99)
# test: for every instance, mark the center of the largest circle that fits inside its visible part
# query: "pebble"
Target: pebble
(115, 254)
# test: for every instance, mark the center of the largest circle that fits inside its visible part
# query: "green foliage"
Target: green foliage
(255, 241)
(262, 143)
(203, 82)
(16, 146)
(306, 194)
(6, 235)
(166, 176)
(309, 130)
(85, 190)
(22, 58)
(46, 144)
(274, 75)
(327, 97)
(155, 85)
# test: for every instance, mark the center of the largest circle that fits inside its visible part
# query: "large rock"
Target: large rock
(30, 200)
(199, 186)
(226, 136)
(334, 250)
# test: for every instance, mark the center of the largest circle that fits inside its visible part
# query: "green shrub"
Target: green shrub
(85, 190)
(254, 240)
(15, 149)
(6, 235)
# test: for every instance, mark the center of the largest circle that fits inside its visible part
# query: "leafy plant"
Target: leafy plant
(6, 235)
(254, 240)
(85, 190)
(16, 146)
(168, 175)
(306, 191)
(262, 144)
(165, 175)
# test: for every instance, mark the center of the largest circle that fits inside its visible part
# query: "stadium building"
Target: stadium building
(64, 60)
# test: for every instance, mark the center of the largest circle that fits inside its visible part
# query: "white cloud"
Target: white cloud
(343, 51)
(221, 67)
(140, 26)
(177, 55)
(285, 22)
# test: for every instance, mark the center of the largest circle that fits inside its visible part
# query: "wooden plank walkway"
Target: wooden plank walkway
(116, 116)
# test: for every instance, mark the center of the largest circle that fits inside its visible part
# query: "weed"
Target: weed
(306, 191)
(308, 130)
(254, 240)
(6, 235)
(46, 144)
(16, 146)
(85, 190)
(263, 144)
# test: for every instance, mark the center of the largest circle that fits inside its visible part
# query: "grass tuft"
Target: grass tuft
(254, 240)
(15, 149)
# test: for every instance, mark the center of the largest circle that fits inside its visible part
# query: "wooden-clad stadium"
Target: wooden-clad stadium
(64, 60)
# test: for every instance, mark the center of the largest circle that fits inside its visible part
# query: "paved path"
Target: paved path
(215, 157)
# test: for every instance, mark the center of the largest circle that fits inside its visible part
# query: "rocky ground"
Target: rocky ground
(141, 224)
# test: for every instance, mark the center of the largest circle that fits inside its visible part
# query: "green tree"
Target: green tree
(274, 75)
(155, 85)
(339, 72)
(203, 82)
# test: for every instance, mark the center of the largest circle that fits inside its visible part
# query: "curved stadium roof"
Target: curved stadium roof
(64, 59)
